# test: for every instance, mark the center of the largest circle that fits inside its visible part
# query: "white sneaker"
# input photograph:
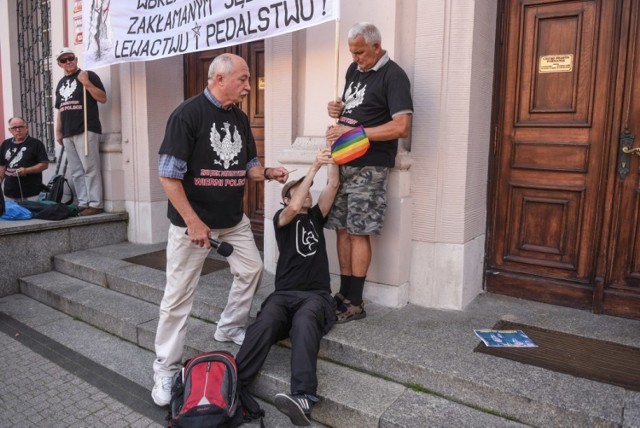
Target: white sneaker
(221, 336)
(161, 392)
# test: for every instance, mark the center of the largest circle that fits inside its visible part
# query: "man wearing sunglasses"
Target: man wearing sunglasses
(86, 174)
(22, 160)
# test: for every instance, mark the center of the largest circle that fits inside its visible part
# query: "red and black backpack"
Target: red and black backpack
(206, 393)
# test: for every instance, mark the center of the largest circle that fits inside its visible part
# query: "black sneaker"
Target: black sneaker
(297, 407)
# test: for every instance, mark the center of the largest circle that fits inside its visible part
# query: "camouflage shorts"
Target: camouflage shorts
(361, 201)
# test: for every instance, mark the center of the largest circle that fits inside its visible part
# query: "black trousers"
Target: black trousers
(304, 316)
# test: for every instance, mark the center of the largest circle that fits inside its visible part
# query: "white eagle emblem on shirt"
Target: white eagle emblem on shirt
(67, 89)
(16, 157)
(228, 147)
(354, 97)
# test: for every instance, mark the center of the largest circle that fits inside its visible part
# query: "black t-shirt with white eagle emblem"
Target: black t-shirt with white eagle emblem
(216, 144)
(69, 100)
(371, 99)
(22, 155)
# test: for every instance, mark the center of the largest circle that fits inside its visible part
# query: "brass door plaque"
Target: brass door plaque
(261, 83)
(555, 63)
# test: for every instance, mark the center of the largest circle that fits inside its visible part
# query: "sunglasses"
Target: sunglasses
(67, 59)
(15, 128)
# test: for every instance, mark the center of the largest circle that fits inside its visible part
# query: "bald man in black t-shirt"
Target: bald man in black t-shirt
(207, 155)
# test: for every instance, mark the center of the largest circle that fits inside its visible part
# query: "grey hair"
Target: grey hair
(369, 31)
(17, 117)
(222, 64)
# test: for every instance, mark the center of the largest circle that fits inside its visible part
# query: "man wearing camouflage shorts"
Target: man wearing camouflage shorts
(363, 200)
(377, 95)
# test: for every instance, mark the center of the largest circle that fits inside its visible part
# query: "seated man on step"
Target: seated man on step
(22, 160)
(301, 307)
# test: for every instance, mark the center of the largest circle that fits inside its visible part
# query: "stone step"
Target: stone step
(106, 267)
(349, 397)
(44, 239)
(112, 353)
(432, 350)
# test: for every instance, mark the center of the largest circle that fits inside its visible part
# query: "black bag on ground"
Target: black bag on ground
(49, 210)
(55, 189)
(1, 202)
(206, 393)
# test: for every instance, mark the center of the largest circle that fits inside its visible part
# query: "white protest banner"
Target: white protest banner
(116, 31)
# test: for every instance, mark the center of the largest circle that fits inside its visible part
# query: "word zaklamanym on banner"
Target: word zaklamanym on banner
(151, 29)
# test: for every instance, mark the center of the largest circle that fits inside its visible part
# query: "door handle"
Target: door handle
(625, 142)
(634, 150)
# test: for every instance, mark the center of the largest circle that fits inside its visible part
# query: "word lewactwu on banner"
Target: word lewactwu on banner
(118, 31)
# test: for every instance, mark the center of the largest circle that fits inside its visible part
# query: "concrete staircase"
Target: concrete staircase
(99, 288)
(396, 368)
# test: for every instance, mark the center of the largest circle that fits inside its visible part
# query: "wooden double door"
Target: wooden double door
(196, 66)
(564, 224)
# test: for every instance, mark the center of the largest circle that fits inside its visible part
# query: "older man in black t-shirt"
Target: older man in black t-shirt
(22, 160)
(207, 154)
(377, 96)
(77, 96)
(301, 306)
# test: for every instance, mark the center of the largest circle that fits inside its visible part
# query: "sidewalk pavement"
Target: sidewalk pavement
(60, 372)
(39, 391)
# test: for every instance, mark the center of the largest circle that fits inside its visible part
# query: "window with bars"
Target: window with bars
(34, 67)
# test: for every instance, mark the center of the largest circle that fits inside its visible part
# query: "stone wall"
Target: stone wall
(28, 246)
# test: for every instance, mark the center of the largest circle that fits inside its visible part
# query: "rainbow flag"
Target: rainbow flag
(351, 145)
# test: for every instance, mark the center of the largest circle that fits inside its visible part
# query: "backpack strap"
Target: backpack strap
(250, 407)
(60, 162)
(70, 201)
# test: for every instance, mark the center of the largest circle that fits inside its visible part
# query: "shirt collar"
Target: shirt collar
(381, 62)
(74, 72)
(213, 100)
(13, 140)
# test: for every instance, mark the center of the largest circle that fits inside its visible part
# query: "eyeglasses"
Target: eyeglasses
(67, 59)
(17, 127)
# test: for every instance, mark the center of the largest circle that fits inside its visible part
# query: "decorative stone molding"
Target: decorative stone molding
(111, 142)
(403, 160)
(303, 151)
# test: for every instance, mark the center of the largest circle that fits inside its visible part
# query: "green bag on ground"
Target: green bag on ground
(50, 210)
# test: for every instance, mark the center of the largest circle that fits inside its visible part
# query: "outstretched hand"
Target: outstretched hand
(323, 157)
(280, 174)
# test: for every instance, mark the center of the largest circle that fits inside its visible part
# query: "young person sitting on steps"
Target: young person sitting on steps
(301, 307)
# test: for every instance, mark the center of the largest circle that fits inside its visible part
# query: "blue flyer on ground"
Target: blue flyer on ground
(505, 338)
